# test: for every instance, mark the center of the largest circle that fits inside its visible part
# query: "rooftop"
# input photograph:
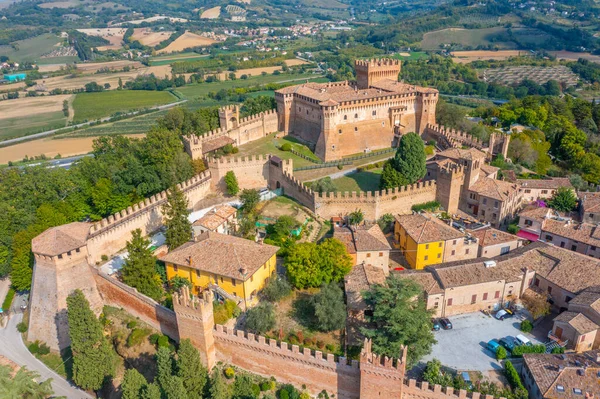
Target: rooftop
(360, 279)
(424, 278)
(61, 239)
(590, 201)
(536, 212)
(362, 238)
(590, 297)
(491, 236)
(222, 254)
(216, 217)
(548, 184)
(582, 232)
(578, 321)
(459, 153)
(558, 375)
(423, 228)
(492, 188)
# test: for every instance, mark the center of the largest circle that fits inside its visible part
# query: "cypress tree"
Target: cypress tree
(191, 370)
(139, 270)
(133, 383)
(179, 228)
(410, 158)
(92, 354)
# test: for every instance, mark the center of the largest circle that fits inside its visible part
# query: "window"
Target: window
(345, 117)
(485, 201)
(454, 242)
(77, 250)
(497, 295)
(340, 131)
(306, 112)
(560, 388)
(60, 257)
(577, 391)
(449, 301)
(380, 254)
(548, 237)
(68, 253)
(528, 222)
(197, 273)
(562, 244)
(368, 255)
(573, 247)
(593, 248)
(426, 246)
(356, 129)
(333, 147)
(494, 216)
(426, 257)
(482, 212)
(527, 191)
(222, 280)
(439, 256)
(568, 299)
(473, 298)
(504, 250)
(355, 116)
(549, 290)
(440, 245)
(233, 282)
(485, 296)
(467, 251)
(436, 305)
(265, 266)
(251, 279)
(544, 191)
(496, 204)
(374, 113)
(453, 252)
(537, 282)
(174, 267)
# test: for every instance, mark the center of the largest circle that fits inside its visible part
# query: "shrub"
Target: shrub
(304, 395)
(229, 373)
(320, 344)
(261, 318)
(265, 386)
(137, 336)
(22, 327)
(8, 299)
(256, 390)
(513, 228)
(558, 350)
(132, 324)
(330, 347)
(518, 351)
(34, 347)
(104, 258)
(277, 289)
(512, 376)
(235, 150)
(225, 311)
(288, 391)
(231, 183)
(43, 349)
(163, 341)
(526, 326)
(340, 166)
(286, 147)
(501, 353)
(154, 338)
(426, 206)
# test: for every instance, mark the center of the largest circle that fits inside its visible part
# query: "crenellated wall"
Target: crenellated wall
(422, 390)
(109, 236)
(241, 132)
(251, 172)
(452, 138)
(375, 204)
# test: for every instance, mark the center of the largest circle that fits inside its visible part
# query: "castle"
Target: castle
(344, 118)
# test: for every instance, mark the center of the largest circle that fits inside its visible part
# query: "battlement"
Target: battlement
(283, 349)
(298, 184)
(376, 62)
(249, 160)
(367, 357)
(186, 300)
(378, 195)
(455, 138)
(422, 389)
(143, 206)
(452, 169)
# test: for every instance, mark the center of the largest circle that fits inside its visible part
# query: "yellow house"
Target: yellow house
(426, 240)
(238, 266)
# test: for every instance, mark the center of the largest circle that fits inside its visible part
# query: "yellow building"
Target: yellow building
(238, 266)
(425, 240)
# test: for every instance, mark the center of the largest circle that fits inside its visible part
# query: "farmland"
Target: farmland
(113, 35)
(464, 57)
(187, 40)
(497, 36)
(211, 13)
(169, 59)
(91, 106)
(32, 49)
(149, 38)
(515, 74)
(25, 116)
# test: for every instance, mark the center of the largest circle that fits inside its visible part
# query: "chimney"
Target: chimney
(189, 260)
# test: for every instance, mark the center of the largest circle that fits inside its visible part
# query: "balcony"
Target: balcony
(557, 340)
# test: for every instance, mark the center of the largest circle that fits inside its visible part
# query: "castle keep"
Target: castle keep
(343, 118)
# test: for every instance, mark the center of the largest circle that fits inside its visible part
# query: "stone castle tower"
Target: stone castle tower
(229, 117)
(380, 376)
(369, 72)
(450, 181)
(195, 321)
(61, 267)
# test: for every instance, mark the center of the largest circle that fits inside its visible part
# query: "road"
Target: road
(106, 119)
(13, 348)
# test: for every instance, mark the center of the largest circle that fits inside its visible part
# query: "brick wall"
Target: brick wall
(375, 204)
(114, 293)
(451, 138)
(422, 390)
(267, 357)
(110, 235)
(251, 172)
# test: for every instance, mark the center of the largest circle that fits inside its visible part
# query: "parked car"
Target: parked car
(509, 343)
(504, 314)
(523, 340)
(493, 345)
(446, 324)
(436, 325)
(467, 379)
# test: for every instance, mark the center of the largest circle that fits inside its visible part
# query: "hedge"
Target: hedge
(518, 351)
(426, 206)
(8, 300)
(512, 375)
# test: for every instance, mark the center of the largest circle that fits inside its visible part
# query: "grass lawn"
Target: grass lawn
(202, 89)
(270, 145)
(359, 181)
(31, 49)
(91, 106)
(35, 123)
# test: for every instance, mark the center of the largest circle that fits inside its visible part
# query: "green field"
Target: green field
(36, 123)
(270, 145)
(169, 59)
(414, 55)
(359, 181)
(497, 36)
(202, 89)
(32, 49)
(91, 106)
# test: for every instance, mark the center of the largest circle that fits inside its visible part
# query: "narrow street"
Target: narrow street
(13, 348)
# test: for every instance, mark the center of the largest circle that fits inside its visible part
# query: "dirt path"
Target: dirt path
(71, 110)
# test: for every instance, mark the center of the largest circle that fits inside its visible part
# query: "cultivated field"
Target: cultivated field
(50, 67)
(325, 4)
(187, 40)
(24, 116)
(153, 19)
(211, 13)
(257, 71)
(169, 59)
(32, 49)
(572, 56)
(24, 107)
(464, 57)
(149, 38)
(113, 35)
(496, 36)
(515, 74)
(92, 67)
(91, 106)
(61, 4)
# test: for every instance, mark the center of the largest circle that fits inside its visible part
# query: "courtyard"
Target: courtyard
(464, 347)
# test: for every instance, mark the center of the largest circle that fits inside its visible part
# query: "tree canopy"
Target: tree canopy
(231, 183)
(330, 309)
(563, 200)
(178, 227)
(139, 270)
(23, 384)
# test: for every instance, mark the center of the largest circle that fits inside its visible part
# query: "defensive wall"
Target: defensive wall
(251, 172)
(109, 235)
(452, 138)
(240, 131)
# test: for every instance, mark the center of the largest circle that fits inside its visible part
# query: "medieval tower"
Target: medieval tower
(229, 117)
(381, 376)
(370, 72)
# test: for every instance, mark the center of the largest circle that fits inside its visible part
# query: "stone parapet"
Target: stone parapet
(454, 138)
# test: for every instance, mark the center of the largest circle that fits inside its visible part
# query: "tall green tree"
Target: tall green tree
(261, 318)
(178, 227)
(410, 158)
(330, 310)
(563, 200)
(133, 383)
(190, 369)
(231, 183)
(390, 177)
(23, 384)
(250, 199)
(356, 217)
(219, 389)
(164, 364)
(92, 354)
(400, 317)
(139, 270)
(151, 391)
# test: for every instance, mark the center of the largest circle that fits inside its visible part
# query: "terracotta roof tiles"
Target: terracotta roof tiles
(423, 228)
(491, 236)
(578, 321)
(61, 239)
(492, 188)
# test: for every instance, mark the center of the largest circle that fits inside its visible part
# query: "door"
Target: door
(558, 332)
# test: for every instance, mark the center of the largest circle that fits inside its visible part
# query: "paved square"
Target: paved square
(464, 347)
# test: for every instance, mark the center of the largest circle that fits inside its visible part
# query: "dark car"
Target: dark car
(436, 325)
(508, 343)
(446, 324)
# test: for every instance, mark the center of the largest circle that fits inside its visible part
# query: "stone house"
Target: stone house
(493, 201)
(589, 207)
(578, 327)
(542, 189)
(531, 220)
(583, 238)
(569, 376)
(493, 242)
(221, 219)
(235, 267)
(366, 244)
